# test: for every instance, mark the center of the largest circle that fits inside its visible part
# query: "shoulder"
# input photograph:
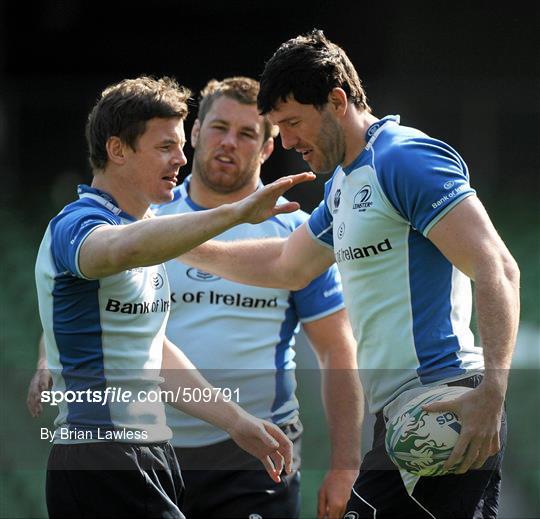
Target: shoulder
(402, 148)
(84, 211)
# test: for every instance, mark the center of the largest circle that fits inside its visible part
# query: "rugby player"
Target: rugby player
(408, 234)
(104, 301)
(242, 337)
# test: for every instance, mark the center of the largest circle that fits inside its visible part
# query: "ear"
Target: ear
(116, 151)
(267, 149)
(337, 100)
(195, 132)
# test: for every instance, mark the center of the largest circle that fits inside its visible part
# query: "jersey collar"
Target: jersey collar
(103, 198)
(184, 192)
(371, 135)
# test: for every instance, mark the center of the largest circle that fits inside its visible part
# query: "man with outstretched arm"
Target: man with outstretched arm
(408, 234)
(104, 301)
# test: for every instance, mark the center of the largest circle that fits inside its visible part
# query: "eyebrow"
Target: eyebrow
(173, 141)
(244, 127)
(286, 119)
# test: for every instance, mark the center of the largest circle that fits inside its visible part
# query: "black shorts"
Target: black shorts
(379, 490)
(111, 479)
(223, 481)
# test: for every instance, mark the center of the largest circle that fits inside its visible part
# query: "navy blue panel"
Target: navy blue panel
(77, 331)
(285, 379)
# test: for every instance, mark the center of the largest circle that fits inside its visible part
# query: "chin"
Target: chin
(164, 197)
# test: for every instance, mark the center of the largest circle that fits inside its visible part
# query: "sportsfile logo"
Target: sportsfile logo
(350, 253)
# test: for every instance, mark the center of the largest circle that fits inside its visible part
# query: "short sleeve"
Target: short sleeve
(68, 234)
(322, 297)
(423, 178)
(320, 225)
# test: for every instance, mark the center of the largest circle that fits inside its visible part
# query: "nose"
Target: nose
(229, 140)
(288, 140)
(180, 158)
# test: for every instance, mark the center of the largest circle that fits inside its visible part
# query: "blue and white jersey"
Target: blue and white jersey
(409, 307)
(241, 337)
(103, 337)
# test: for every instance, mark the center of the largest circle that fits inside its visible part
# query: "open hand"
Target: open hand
(261, 205)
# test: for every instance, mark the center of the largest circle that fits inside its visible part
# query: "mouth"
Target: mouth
(305, 153)
(173, 179)
(224, 159)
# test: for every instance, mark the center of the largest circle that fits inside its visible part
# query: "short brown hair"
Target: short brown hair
(308, 67)
(124, 108)
(241, 89)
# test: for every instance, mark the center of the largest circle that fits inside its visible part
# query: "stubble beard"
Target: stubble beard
(331, 143)
(202, 167)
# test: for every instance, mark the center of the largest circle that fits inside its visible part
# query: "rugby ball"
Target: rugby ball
(420, 442)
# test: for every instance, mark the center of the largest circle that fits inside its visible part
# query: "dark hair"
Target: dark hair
(241, 89)
(124, 108)
(308, 67)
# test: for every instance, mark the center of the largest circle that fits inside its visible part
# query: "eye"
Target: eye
(294, 123)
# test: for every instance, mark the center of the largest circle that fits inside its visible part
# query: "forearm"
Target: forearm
(344, 407)
(270, 262)
(42, 357)
(335, 347)
(251, 262)
(497, 303)
(178, 371)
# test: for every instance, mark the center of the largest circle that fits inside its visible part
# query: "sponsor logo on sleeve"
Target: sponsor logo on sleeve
(448, 197)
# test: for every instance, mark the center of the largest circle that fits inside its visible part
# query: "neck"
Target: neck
(355, 127)
(127, 200)
(208, 198)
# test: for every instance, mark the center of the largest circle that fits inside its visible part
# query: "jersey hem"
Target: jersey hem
(79, 271)
(321, 315)
(318, 240)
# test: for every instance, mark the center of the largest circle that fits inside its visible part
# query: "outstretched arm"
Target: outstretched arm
(269, 262)
(110, 249)
(468, 239)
